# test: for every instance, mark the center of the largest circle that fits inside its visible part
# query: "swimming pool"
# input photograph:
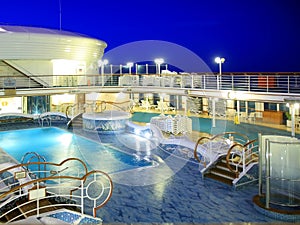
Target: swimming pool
(56, 144)
(181, 197)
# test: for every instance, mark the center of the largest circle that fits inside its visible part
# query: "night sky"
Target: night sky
(253, 35)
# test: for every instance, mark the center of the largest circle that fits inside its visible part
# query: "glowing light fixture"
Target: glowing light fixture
(219, 61)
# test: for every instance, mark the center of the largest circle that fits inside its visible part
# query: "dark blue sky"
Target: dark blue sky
(253, 35)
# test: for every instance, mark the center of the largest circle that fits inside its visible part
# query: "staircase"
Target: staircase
(29, 209)
(220, 172)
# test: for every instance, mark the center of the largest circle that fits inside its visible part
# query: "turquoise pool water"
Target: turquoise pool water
(56, 144)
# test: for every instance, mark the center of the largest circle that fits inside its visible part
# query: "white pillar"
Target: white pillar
(102, 74)
(238, 109)
(161, 105)
(136, 68)
(213, 112)
(293, 119)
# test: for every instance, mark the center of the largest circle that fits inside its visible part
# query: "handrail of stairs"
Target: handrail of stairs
(230, 138)
(241, 155)
(95, 177)
(200, 160)
(20, 69)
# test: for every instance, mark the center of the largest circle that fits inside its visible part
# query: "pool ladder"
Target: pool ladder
(35, 155)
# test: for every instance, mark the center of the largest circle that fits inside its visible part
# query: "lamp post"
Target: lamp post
(158, 62)
(219, 61)
(102, 64)
(129, 65)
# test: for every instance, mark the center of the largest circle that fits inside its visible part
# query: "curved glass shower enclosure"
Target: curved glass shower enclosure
(279, 176)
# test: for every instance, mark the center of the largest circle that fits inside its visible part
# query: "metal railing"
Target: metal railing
(211, 148)
(61, 187)
(254, 82)
(240, 155)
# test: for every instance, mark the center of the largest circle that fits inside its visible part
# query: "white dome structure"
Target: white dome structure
(41, 51)
(18, 42)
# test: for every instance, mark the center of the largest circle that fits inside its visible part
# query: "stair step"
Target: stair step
(219, 178)
(223, 164)
(14, 214)
(33, 205)
(223, 173)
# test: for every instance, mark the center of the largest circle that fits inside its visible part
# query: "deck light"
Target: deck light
(219, 61)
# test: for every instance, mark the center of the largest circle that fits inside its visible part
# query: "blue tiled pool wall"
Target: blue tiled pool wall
(65, 216)
(73, 218)
(288, 217)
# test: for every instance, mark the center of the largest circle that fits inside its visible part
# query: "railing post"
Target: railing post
(267, 83)
(249, 83)
(244, 160)
(267, 146)
(82, 197)
(288, 84)
(192, 85)
(38, 200)
(260, 164)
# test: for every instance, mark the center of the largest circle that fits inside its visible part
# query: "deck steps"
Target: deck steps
(221, 172)
(25, 209)
(16, 212)
(219, 178)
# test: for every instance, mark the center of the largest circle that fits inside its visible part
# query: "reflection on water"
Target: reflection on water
(56, 145)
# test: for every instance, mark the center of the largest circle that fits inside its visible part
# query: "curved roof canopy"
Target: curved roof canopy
(18, 42)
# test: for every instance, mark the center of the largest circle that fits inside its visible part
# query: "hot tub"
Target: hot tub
(106, 121)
